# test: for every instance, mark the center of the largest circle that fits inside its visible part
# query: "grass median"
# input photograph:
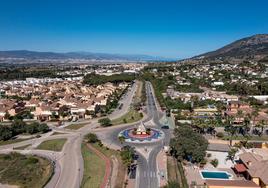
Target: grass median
(24, 171)
(130, 117)
(94, 167)
(76, 126)
(53, 145)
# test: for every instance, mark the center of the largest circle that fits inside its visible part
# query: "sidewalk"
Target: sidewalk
(161, 161)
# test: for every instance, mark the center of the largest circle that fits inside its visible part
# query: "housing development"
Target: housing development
(134, 94)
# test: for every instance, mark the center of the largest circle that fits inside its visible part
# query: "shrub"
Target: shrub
(105, 122)
(220, 135)
(214, 162)
(92, 138)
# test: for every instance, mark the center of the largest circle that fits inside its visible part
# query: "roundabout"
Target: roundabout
(141, 134)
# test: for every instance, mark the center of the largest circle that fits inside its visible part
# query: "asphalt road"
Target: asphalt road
(148, 175)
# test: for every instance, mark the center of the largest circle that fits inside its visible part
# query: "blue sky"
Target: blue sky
(169, 28)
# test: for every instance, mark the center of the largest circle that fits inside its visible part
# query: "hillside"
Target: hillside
(254, 47)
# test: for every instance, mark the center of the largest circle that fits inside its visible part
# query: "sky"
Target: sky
(167, 28)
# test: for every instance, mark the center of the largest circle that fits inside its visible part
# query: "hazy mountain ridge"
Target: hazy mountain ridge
(254, 47)
(74, 55)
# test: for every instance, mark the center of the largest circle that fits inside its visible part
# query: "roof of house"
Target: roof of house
(257, 167)
(231, 183)
(249, 157)
(260, 170)
(218, 147)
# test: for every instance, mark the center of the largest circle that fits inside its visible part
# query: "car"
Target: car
(165, 127)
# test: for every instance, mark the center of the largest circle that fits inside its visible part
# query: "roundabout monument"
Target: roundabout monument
(141, 134)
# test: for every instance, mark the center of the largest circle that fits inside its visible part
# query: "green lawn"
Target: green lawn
(23, 147)
(130, 117)
(138, 95)
(94, 169)
(12, 141)
(75, 126)
(54, 145)
(24, 171)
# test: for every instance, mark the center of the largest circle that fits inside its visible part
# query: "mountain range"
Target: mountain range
(253, 47)
(75, 55)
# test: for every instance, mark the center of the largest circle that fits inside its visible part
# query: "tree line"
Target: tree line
(96, 79)
(18, 127)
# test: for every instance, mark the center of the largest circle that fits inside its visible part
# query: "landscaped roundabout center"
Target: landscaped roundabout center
(141, 134)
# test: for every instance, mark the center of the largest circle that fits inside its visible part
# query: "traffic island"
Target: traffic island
(141, 135)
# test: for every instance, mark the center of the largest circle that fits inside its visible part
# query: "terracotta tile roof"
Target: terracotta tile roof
(240, 168)
(232, 183)
(249, 158)
(260, 170)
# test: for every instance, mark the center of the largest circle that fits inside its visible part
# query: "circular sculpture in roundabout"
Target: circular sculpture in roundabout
(141, 134)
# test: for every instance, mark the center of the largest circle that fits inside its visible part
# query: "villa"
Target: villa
(253, 167)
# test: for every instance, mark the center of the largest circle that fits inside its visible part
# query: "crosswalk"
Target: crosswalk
(150, 174)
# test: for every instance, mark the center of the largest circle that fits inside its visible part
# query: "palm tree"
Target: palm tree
(261, 124)
(255, 114)
(201, 125)
(231, 154)
(246, 124)
(230, 128)
(239, 115)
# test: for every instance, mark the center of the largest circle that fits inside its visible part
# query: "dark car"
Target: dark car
(165, 127)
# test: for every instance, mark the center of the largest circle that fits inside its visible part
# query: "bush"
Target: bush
(92, 138)
(214, 162)
(105, 122)
(220, 135)
(31, 160)
(127, 154)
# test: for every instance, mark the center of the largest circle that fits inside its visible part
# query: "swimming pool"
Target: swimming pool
(215, 175)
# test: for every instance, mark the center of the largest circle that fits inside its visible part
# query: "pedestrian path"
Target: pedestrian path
(161, 160)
